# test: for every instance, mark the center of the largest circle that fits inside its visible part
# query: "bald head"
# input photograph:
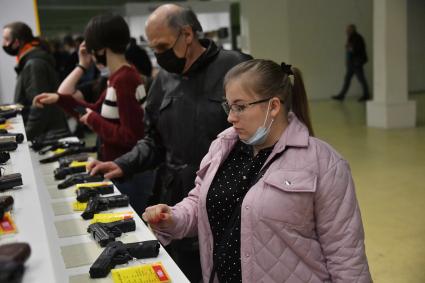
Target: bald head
(174, 17)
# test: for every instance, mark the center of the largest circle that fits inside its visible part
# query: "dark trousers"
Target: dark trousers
(358, 71)
(185, 253)
(139, 189)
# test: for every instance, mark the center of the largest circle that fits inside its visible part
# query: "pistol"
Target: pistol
(7, 114)
(119, 253)
(43, 141)
(79, 178)
(85, 193)
(19, 138)
(4, 157)
(61, 144)
(61, 173)
(68, 151)
(98, 204)
(105, 233)
(67, 160)
(10, 181)
(8, 145)
(12, 258)
(6, 204)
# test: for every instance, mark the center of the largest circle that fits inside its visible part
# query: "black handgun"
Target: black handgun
(67, 160)
(4, 157)
(85, 193)
(12, 259)
(68, 151)
(105, 233)
(10, 181)
(119, 253)
(98, 204)
(61, 173)
(8, 113)
(19, 138)
(61, 144)
(6, 204)
(79, 178)
(42, 141)
(8, 146)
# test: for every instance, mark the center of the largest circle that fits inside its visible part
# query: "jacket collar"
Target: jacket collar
(211, 51)
(295, 135)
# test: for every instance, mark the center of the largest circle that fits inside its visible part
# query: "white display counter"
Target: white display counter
(60, 251)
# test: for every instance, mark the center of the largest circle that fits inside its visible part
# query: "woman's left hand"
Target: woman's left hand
(85, 117)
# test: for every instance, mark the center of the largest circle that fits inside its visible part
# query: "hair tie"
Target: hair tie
(286, 68)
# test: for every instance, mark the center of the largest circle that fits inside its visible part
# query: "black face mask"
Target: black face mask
(100, 59)
(169, 61)
(10, 50)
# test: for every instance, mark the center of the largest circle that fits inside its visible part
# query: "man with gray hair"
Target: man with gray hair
(183, 115)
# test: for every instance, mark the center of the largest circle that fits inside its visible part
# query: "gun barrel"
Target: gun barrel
(85, 193)
(10, 181)
(79, 178)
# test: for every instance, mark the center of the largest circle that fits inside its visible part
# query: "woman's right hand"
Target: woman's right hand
(158, 216)
(83, 56)
(44, 99)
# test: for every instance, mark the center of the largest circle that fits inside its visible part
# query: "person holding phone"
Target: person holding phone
(117, 116)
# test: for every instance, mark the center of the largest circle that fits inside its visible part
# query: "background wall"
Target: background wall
(17, 10)
(416, 45)
(309, 35)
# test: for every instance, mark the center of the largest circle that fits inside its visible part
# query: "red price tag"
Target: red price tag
(160, 273)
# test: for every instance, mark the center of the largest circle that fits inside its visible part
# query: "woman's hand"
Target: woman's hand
(83, 56)
(85, 117)
(158, 216)
(44, 99)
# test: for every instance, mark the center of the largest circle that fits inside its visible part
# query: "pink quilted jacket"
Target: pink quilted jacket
(300, 223)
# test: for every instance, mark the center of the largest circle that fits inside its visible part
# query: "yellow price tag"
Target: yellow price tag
(7, 225)
(93, 184)
(5, 125)
(146, 273)
(111, 217)
(78, 163)
(79, 206)
(59, 150)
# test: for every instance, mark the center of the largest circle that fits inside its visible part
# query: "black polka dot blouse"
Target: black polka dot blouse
(230, 184)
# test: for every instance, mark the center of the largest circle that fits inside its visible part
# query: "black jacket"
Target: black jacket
(357, 50)
(36, 74)
(183, 116)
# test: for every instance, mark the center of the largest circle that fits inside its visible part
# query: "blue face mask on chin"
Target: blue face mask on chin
(260, 135)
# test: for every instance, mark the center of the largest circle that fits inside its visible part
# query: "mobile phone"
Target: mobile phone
(81, 110)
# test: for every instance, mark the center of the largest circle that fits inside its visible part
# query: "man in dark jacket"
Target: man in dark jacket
(36, 74)
(183, 114)
(356, 57)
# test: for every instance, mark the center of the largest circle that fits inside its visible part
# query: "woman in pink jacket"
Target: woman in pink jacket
(271, 203)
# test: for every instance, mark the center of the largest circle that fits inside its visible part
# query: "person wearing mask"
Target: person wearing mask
(271, 202)
(183, 114)
(356, 57)
(117, 116)
(36, 74)
(71, 56)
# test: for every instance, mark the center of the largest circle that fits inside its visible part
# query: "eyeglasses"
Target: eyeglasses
(239, 108)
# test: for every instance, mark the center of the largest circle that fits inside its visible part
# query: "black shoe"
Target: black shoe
(338, 97)
(363, 98)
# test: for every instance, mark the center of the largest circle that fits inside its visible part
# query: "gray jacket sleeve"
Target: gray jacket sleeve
(38, 78)
(149, 151)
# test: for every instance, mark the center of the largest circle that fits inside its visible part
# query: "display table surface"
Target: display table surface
(38, 212)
